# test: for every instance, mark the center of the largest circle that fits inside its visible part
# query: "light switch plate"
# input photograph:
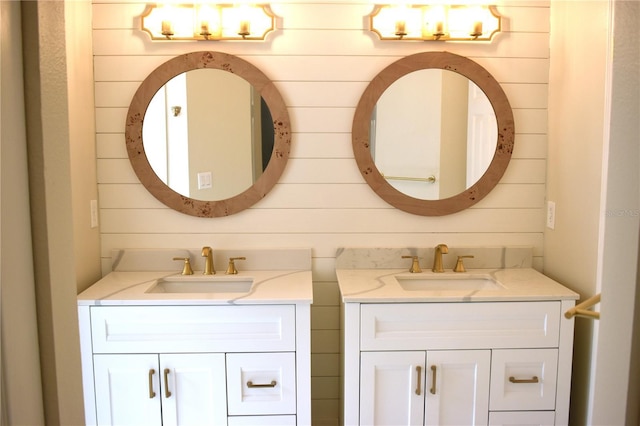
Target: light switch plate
(94, 213)
(204, 180)
(551, 214)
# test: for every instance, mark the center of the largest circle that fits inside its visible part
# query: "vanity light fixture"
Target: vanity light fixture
(437, 22)
(208, 21)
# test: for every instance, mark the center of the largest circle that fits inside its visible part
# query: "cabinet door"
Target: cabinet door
(457, 388)
(193, 389)
(392, 388)
(127, 390)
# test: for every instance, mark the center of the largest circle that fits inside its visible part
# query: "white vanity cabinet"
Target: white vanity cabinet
(471, 363)
(196, 364)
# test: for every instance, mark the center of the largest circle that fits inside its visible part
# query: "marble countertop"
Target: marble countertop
(381, 286)
(278, 275)
(130, 288)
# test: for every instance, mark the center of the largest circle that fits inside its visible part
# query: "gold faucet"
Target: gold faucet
(437, 257)
(207, 252)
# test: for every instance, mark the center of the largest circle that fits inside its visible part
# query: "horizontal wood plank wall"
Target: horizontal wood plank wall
(321, 60)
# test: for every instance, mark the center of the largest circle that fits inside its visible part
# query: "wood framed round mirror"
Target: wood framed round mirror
(366, 135)
(265, 173)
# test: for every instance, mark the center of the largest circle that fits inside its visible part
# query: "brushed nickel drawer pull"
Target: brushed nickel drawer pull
(152, 394)
(273, 384)
(534, 379)
(433, 380)
(167, 392)
(419, 387)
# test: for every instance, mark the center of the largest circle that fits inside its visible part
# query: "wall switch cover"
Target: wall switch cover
(94, 213)
(551, 214)
(204, 180)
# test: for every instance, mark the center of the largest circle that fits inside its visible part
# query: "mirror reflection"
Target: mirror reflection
(433, 134)
(208, 134)
(451, 181)
(235, 123)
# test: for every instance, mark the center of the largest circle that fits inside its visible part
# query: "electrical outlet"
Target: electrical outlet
(551, 215)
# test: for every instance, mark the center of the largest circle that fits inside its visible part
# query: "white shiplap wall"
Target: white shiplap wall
(321, 60)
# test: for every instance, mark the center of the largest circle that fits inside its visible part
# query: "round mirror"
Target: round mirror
(208, 134)
(433, 133)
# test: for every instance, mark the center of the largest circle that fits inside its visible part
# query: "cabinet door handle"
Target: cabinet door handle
(534, 379)
(167, 392)
(419, 387)
(152, 394)
(433, 380)
(273, 384)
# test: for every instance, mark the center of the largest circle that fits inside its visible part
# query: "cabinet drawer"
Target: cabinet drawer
(523, 379)
(261, 420)
(519, 418)
(261, 383)
(410, 326)
(143, 329)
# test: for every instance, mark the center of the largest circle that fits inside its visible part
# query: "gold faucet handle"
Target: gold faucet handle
(415, 266)
(231, 269)
(186, 270)
(460, 265)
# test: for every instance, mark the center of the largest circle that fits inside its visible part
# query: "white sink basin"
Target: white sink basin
(448, 283)
(202, 284)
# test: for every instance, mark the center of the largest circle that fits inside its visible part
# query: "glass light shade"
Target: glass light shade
(435, 22)
(208, 22)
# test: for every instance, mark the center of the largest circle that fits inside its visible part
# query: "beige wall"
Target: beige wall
(593, 178)
(321, 61)
(48, 149)
(19, 360)
(82, 140)
(225, 153)
(60, 139)
(576, 129)
(616, 375)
